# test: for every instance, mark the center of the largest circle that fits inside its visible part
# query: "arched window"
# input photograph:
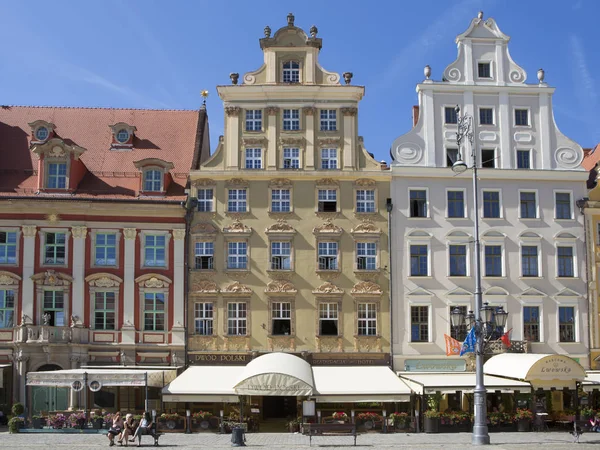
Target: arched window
(291, 72)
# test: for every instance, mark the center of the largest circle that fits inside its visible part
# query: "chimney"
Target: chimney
(415, 114)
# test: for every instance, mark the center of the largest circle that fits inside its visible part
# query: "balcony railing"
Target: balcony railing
(45, 334)
(496, 347)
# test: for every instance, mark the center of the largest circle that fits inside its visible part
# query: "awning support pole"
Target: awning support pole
(85, 395)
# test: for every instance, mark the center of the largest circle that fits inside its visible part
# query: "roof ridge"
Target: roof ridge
(96, 107)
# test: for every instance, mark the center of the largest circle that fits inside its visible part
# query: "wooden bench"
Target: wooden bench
(330, 429)
(152, 432)
(578, 427)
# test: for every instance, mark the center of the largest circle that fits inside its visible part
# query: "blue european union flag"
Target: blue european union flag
(469, 344)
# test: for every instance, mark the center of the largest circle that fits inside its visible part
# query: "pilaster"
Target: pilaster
(271, 112)
(232, 127)
(128, 329)
(177, 331)
(504, 124)
(79, 235)
(28, 295)
(350, 133)
(309, 150)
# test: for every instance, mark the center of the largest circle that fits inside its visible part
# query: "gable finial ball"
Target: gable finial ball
(290, 20)
(480, 15)
(267, 31)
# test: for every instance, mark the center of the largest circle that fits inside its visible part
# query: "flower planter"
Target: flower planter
(294, 427)
(38, 424)
(432, 424)
(170, 424)
(401, 426)
(97, 424)
(502, 428)
(524, 425)
(455, 428)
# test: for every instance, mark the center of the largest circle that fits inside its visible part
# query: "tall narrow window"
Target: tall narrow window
(488, 158)
(458, 260)
(562, 206)
(203, 319)
(291, 158)
(281, 258)
(154, 311)
(418, 203)
(7, 308)
(253, 158)
(456, 204)
(493, 261)
(328, 255)
(521, 117)
(366, 256)
(57, 176)
(491, 204)
(451, 156)
(329, 158)
(291, 72)
(328, 120)
(523, 159)
(528, 205)
(531, 323)
(236, 200)
(104, 311)
(205, 200)
(566, 324)
(365, 200)
(419, 266)
(564, 256)
(153, 181)
(106, 249)
(281, 317)
(529, 261)
(54, 308)
(291, 119)
(328, 319)
(254, 120)
(204, 254)
(237, 255)
(460, 332)
(367, 319)
(419, 323)
(280, 200)
(8, 247)
(155, 250)
(483, 70)
(327, 200)
(236, 319)
(486, 116)
(450, 115)
(55, 248)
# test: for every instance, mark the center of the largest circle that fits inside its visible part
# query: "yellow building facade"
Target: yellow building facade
(289, 240)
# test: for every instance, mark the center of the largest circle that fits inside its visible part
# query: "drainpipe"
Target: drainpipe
(389, 206)
(190, 205)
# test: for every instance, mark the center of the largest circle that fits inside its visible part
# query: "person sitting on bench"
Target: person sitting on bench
(144, 428)
(595, 424)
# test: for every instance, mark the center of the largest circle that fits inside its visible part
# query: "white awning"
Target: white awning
(450, 382)
(2, 367)
(592, 381)
(106, 377)
(358, 384)
(276, 374)
(541, 370)
(204, 384)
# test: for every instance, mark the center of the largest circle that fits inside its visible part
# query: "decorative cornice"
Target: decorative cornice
(260, 141)
(153, 280)
(29, 230)
(349, 111)
(232, 110)
(103, 279)
(178, 234)
(79, 232)
(280, 227)
(204, 182)
(237, 228)
(291, 141)
(204, 228)
(366, 289)
(238, 289)
(238, 182)
(328, 289)
(280, 182)
(328, 229)
(129, 233)
(9, 278)
(363, 182)
(279, 288)
(330, 140)
(271, 110)
(327, 182)
(309, 110)
(52, 278)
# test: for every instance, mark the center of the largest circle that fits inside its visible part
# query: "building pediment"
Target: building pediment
(153, 280)
(57, 148)
(328, 289)
(205, 287)
(204, 228)
(237, 228)
(281, 288)
(52, 278)
(280, 228)
(8, 278)
(366, 229)
(531, 293)
(328, 229)
(103, 279)
(458, 292)
(237, 289)
(567, 293)
(366, 289)
(420, 292)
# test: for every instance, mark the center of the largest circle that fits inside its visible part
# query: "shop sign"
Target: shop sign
(435, 365)
(220, 359)
(349, 359)
(555, 367)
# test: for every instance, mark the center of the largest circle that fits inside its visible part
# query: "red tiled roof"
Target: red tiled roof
(591, 158)
(169, 135)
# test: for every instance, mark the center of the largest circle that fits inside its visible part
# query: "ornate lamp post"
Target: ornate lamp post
(485, 319)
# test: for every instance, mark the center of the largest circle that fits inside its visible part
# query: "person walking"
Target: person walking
(115, 429)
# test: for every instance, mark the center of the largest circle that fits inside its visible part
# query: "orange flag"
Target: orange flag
(452, 346)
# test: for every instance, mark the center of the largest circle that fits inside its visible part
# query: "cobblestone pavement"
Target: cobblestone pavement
(282, 441)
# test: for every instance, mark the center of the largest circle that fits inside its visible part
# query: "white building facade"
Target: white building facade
(531, 230)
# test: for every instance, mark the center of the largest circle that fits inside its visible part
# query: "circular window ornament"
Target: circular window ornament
(41, 133)
(77, 385)
(95, 385)
(122, 135)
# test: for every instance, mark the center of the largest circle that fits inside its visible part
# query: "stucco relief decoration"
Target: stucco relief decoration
(366, 288)
(57, 152)
(237, 343)
(281, 287)
(29, 230)
(53, 217)
(365, 182)
(79, 232)
(327, 182)
(568, 158)
(408, 153)
(367, 344)
(309, 110)
(205, 287)
(52, 278)
(104, 280)
(237, 227)
(204, 228)
(178, 234)
(8, 278)
(366, 227)
(280, 182)
(330, 344)
(204, 182)
(260, 141)
(271, 110)
(328, 289)
(329, 141)
(232, 110)
(237, 288)
(281, 226)
(204, 343)
(328, 228)
(237, 182)
(349, 111)
(281, 343)
(129, 233)
(291, 141)
(153, 281)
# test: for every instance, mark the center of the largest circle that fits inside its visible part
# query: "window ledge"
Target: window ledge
(366, 214)
(419, 218)
(327, 271)
(567, 278)
(530, 219)
(291, 335)
(420, 277)
(457, 218)
(493, 277)
(203, 270)
(564, 220)
(420, 342)
(460, 277)
(530, 278)
(492, 218)
(227, 270)
(280, 270)
(561, 342)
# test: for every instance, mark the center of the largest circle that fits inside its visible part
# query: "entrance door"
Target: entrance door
(49, 398)
(279, 407)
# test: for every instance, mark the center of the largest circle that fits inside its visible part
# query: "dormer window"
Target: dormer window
(122, 136)
(41, 134)
(153, 180)
(57, 176)
(291, 72)
(41, 131)
(155, 176)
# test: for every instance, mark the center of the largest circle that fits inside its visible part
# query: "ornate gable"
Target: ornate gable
(237, 228)
(205, 288)
(280, 229)
(366, 229)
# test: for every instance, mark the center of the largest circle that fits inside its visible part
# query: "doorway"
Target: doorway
(276, 407)
(49, 398)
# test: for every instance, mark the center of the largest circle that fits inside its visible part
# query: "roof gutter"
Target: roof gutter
(97, 200)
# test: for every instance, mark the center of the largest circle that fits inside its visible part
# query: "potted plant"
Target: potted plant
(294, 425)
(340, 416)
(523, 417)
(15, 424)
(368, 419)
(500, 421)
(17, 409)
(107, 418)
(77, 420)
(171, 420)
(587, 413)
(455, 421)
(38, 422)
(400, 420)
(57, 421)
(432, 421)
(201, 418)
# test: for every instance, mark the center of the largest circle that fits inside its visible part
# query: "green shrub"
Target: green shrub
(17, 409)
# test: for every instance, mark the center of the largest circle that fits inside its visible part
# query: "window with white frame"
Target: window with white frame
(105, 249)
(54, 308)
(529, 261)
(419, 264)
(366, 256)
(523, 159)
(328, 319)
(329, 158)
(236, 200)
(566, 324)
(291, 119)
(365, 200)
(528, 205)
(153, 180)
(488, 158)
(562, 205)
(456, 204)
(328, 255)
(521, 117)
(486, 116)
(55, 246)
(8, 247)
(531, 323)
(253, 158)
(419, 324)
(493, 260)
(491, 204)
(484, 70)
(155, 246)
(564, 261)
(237, 316)
(57, 176)
(253, 120)
(418, 202)
(291, 72)
(367, 319)
(459, 332)
(281, 255)
(280, 200)
(205, 200)
(291, 158)
(327, 200)
(204, 255)
(281, 318)
(458, 260)
(203, 318)
(451, 156)
(328, 120)
(450, 115)
(154, 311)
(237, 255)
(7, 308)
(104, 310)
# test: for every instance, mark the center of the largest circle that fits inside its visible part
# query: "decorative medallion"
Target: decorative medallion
(53, 217)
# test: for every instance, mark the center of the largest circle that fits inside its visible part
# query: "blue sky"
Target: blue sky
(161, 54)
